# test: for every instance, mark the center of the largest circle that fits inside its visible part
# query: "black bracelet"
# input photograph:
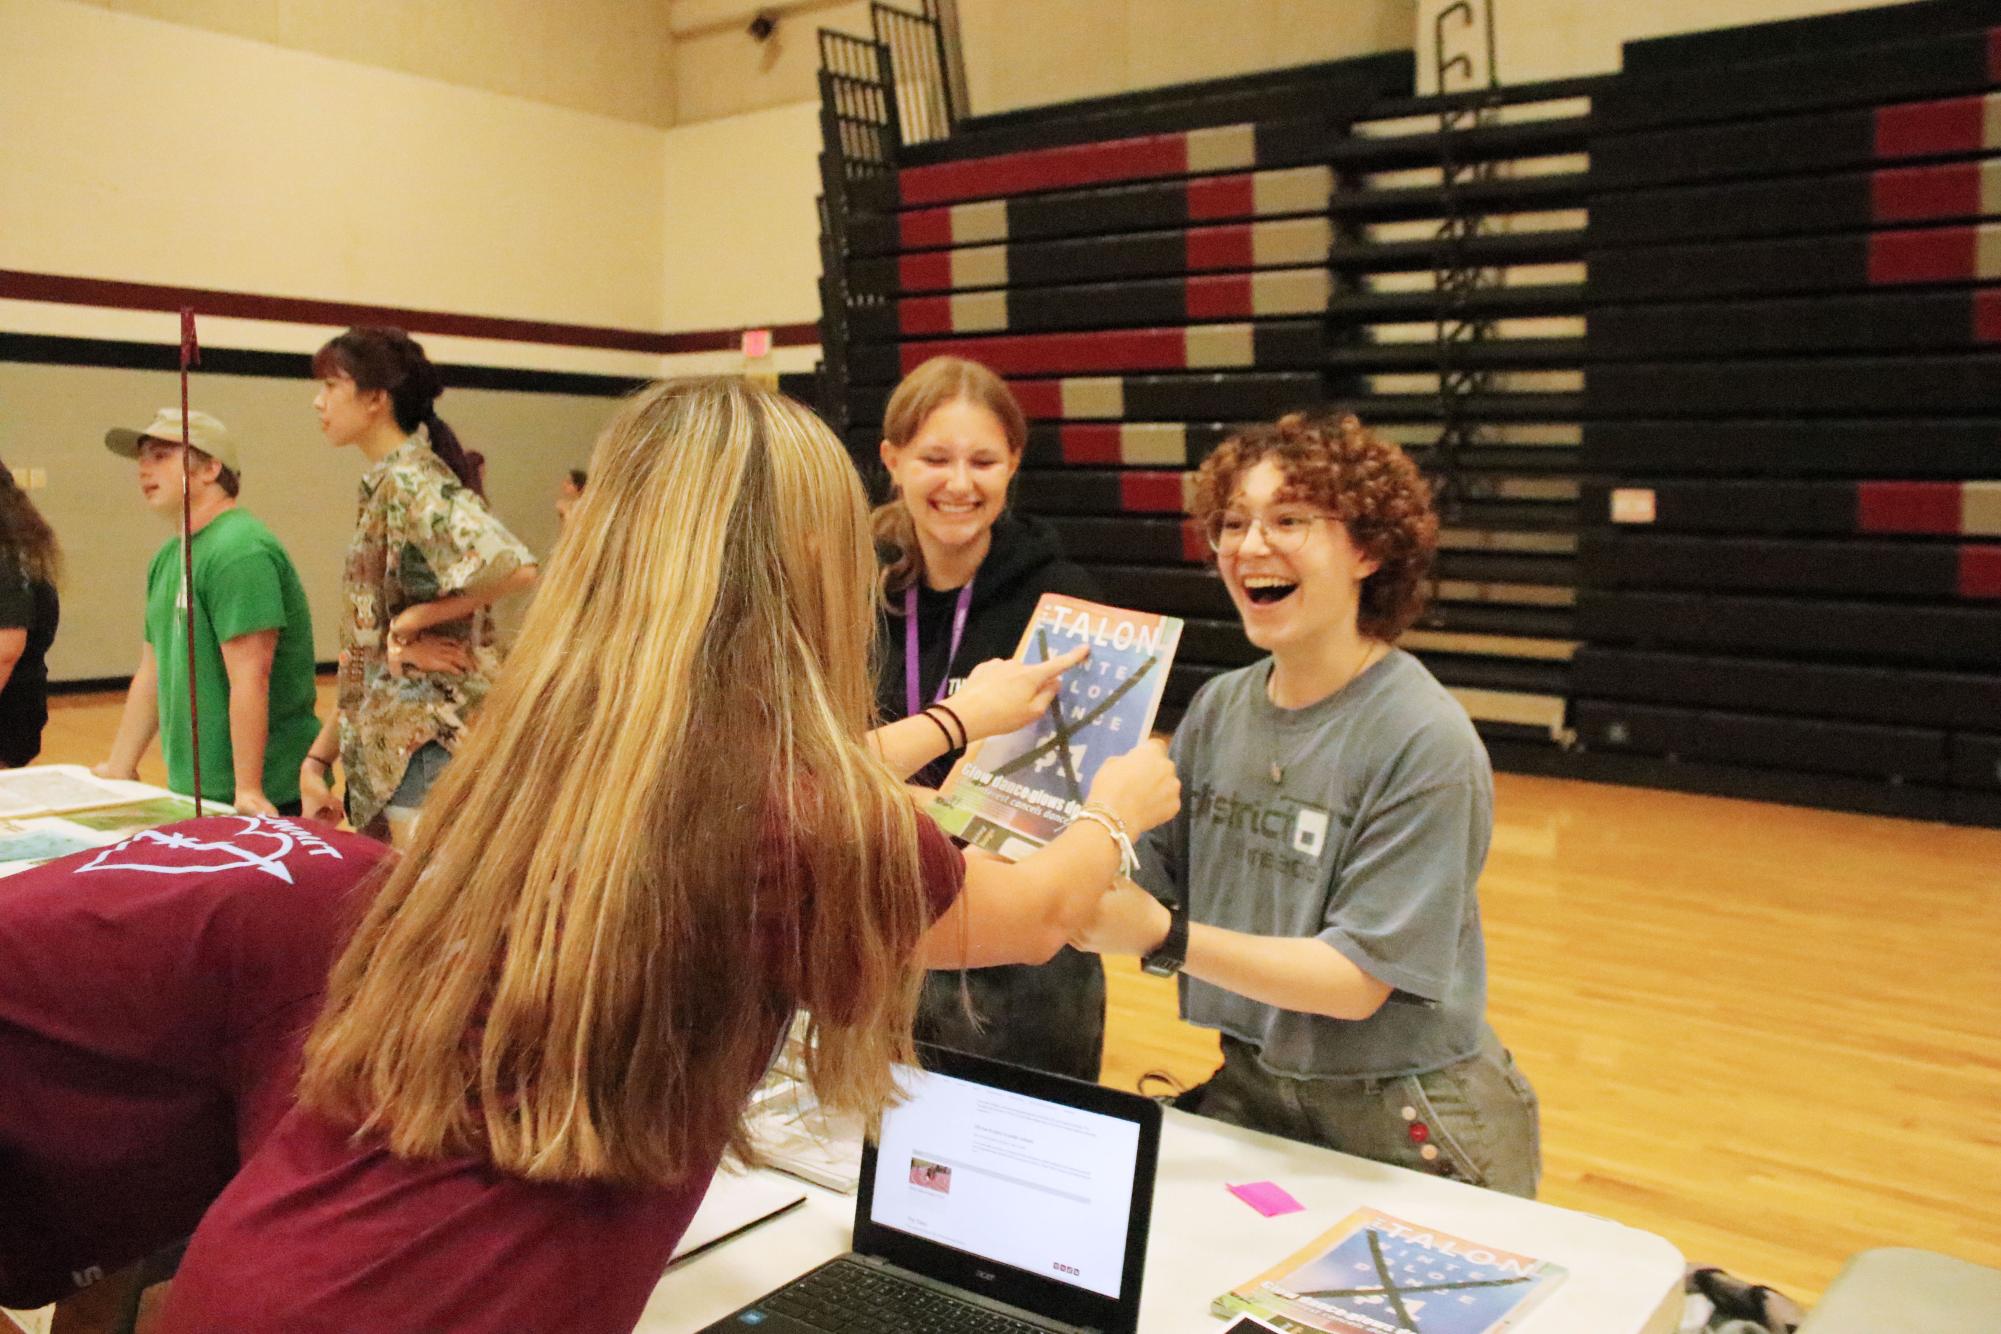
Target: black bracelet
(324, 764)
(932, 718)
(964, 736)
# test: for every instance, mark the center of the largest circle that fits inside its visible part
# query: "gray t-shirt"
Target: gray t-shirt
(1373, 843)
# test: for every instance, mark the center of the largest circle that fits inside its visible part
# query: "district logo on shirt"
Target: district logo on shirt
(1309, 830)
(1299, 826)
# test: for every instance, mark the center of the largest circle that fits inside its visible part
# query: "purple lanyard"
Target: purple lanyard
(910, 663)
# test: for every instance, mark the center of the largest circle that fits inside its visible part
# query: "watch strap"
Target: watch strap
(1168, 956)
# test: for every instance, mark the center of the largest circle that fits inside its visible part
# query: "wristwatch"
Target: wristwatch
(1171, 953)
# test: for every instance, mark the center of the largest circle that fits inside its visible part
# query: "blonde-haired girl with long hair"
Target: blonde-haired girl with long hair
(669, 831)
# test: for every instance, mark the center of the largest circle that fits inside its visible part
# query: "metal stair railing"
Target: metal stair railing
(919, 56)
(1458, 277)
(860, 138)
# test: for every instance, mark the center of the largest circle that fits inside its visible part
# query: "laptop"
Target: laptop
(996, 1199)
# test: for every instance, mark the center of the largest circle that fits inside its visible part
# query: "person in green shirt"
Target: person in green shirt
(253, 654)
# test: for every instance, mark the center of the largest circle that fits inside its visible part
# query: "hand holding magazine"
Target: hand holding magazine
(1011, 794)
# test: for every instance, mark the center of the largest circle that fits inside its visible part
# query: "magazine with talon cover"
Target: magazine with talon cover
(1373, 1273)
(1011, 794)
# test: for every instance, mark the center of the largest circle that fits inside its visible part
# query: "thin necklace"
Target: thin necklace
(1278, 769)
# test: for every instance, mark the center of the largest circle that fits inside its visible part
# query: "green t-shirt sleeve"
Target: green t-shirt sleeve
(155, 572)
(245, 596)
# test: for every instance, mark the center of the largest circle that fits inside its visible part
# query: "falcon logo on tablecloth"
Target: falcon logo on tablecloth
(261, 843)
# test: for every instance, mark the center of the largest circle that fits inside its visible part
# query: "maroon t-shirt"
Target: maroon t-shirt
(153, 996)
(320, 1233)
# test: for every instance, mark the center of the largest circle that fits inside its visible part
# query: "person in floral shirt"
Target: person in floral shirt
(427, 562)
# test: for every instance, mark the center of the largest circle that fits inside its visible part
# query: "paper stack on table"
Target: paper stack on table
(50, 811)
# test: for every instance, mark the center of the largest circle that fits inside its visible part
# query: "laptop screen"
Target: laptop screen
(1042, 1186)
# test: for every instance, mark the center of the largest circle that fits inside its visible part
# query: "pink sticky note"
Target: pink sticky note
(1267, 1197)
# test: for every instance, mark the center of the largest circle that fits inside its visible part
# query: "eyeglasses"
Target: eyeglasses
(1284, 532)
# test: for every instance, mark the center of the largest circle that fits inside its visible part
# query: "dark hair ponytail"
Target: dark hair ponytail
(392, 361)
(445, 444)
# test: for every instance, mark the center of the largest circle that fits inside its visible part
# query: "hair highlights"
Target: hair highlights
(664, 833)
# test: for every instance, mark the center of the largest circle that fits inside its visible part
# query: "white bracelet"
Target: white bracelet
(1128, 862)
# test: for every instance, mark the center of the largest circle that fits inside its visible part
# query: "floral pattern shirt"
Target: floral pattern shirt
(420, 536)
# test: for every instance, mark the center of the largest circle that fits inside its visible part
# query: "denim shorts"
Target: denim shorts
(1476, 1120)
(419, 773)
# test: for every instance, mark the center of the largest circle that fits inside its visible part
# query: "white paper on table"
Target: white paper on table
(41, 789)
(734, 1204)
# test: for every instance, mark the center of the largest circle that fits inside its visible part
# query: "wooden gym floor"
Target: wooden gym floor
(1771, 1035)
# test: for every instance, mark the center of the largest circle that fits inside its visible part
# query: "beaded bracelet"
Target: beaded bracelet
(1111, 824)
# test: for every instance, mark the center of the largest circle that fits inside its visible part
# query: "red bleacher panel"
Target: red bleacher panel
(1227, 148)
(1220, 248)
(1091, 444)
(1935, 255)
(1926, 129)
(1152, 492)
(1222, 197)
(1918, 194)
(1105, 350)
(1980, 572)
(1908, 507)
(1194, 546)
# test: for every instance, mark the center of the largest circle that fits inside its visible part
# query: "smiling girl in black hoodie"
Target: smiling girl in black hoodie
(961, 577)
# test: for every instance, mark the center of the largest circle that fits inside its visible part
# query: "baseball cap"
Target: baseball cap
(205, 433)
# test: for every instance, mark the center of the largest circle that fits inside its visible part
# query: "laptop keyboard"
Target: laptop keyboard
(855, 1299)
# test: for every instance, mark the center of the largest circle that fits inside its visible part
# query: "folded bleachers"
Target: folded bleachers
(1501, 627)
(1146, 272)
(1721, 462)
(1790, 574)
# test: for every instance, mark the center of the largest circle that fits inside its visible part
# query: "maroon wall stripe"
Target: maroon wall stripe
(116, 295)
(1943, 255)
(1980, 572)
(1921, 129)
(1045, 169)
(1914, 194)
(1907, 507)
(1090, 444)
(1994, 55)
(1061, 353)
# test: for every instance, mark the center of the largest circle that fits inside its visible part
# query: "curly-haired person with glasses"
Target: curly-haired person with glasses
(1316, 892)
